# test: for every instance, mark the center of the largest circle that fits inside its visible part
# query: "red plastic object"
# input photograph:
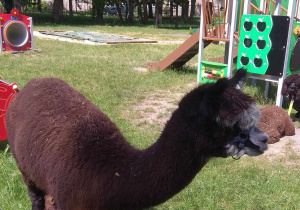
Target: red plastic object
(7, 93)
(15, 31)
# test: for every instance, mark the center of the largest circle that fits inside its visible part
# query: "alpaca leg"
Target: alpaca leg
(37, 199)
(289, 129)
(274, 136)
(49, 203)
(297, 115)
(36, 195)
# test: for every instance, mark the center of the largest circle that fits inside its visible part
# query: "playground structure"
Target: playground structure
(16, 32)
(8, 92)
(224, 25)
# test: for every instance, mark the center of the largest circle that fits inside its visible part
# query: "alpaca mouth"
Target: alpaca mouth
(252, 142)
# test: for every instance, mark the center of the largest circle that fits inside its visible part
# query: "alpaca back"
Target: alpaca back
(276, 123)
(61, 133)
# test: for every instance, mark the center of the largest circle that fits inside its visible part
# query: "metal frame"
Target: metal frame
(201, 42)
(231, 27)
(290, 13)
(31, 33)
(268, 78)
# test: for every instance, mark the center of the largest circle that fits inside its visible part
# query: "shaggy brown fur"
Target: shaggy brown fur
(276, 123)
(69, 151)
(291, 90)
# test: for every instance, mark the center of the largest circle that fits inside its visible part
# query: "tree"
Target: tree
(58, 6)
(150, 9)
(71, 9)
(145, 20)
(119, 12)
(18, 5)
(171, 12)
(8, 5)
(185, 10)
(98, 5)
(130, 7)
(158, 12)
(193, 10)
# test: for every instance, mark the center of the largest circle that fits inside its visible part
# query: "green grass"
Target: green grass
(105, 75)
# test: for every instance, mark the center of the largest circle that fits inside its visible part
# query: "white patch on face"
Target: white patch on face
(232, 150)
(247, 119)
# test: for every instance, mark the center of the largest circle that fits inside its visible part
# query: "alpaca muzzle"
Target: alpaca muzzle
(252, 142)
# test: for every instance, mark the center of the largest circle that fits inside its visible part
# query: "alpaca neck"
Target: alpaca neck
(162, 170)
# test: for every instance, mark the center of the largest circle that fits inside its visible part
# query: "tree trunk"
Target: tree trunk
(99, 16)
(119, 13)
(18, 5)
(185, 11)
(71, 10)
(140, 16)
(150, 10)
(145, 12)
(58, 6)
(39, 6)
(130, 11)
(156, 14)
(8, 5)
(160, 11)
(193, 10)
(176, 17)
(171, 12)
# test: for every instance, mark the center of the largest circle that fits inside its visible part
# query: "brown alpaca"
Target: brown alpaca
(69, 152)
(276, 123)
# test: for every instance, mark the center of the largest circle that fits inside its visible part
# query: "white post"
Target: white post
(277, 7)
(31, 33)
(201, 43)
(290, 13)
(262, 5)
(246, 7)
(231, 39)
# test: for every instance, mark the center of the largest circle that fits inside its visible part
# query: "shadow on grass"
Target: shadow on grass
(3, 145)
(184, 70)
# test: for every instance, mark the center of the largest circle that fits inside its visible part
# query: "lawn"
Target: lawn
(106, 76)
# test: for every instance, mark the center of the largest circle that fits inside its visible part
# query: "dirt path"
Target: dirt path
(285, 144)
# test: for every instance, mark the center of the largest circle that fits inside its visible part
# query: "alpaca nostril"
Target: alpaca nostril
(265, 139)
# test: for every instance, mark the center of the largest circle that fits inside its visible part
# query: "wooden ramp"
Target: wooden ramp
(181, 55)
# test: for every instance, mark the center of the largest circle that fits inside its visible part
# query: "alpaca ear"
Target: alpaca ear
(238, 76)
(287, 81)
(284, 90)
(218, 88)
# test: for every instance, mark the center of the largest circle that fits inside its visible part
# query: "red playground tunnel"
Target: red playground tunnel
(7, 93)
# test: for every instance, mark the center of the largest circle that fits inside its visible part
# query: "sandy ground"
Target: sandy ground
(279, 148)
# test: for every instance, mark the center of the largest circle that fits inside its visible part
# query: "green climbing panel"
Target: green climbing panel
(254, 43)
(211, 71)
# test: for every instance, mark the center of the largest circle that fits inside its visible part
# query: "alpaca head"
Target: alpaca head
(224, 119)
(291, 87)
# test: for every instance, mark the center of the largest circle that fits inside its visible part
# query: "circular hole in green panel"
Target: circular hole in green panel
(248, 26)
(261, 26)
(247, 42)
(261, 44)
(244, 60)
(258, 62)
